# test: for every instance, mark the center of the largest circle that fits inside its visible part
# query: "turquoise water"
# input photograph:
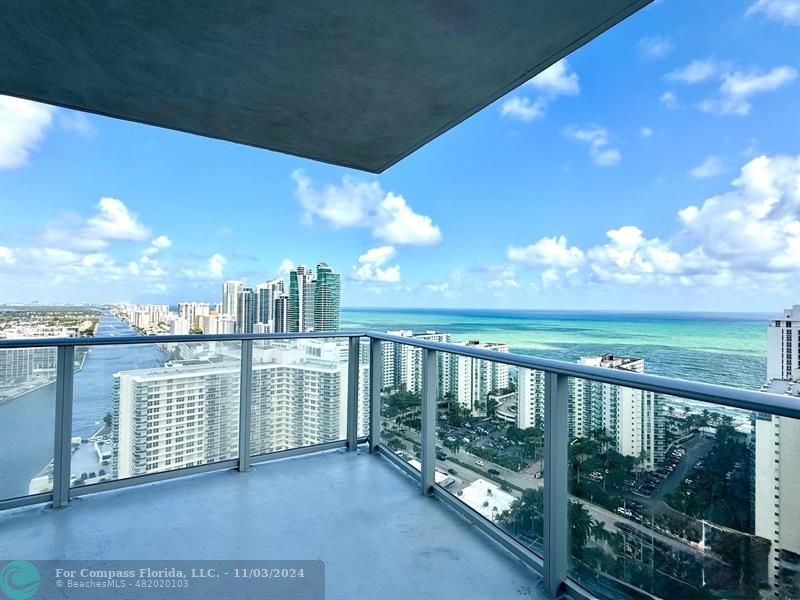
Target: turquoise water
(725, 348)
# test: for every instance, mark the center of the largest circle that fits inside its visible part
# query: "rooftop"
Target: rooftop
(356, 512)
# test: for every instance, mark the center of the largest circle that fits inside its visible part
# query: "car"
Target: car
(538, 475)
(480, 463)
(452, 471)
(494, 472)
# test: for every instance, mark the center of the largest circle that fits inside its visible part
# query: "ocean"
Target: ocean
(722, 348)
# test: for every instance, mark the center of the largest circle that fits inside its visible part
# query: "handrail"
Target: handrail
(169, 339)
(777, 404)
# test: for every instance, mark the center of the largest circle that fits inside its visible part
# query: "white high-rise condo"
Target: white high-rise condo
(633, 419)
(783, 345)
(187, 414)
(230, 296)
(777, 455)
(266, 293)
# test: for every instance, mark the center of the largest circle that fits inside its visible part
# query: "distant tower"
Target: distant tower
(266, 293)
(246, 311)
(301, 297)
(230, 296)
(327, 299)
(281, 313)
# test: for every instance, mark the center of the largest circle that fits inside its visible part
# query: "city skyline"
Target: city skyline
(684, 195)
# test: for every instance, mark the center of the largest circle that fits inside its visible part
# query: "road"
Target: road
(467, 472)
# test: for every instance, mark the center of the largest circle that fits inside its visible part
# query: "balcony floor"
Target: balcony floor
(378, 536)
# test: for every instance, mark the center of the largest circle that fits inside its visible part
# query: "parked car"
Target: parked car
(480, 463)
(494, 472)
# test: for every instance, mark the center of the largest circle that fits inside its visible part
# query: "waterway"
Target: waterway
(26, 423)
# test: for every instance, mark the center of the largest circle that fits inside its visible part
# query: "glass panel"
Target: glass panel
(489, 442)
(299, 393)
(401, 409)
(27, 413)
(147, 408)
(680, 499)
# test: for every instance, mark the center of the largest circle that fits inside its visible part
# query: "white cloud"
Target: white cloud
(285, 266)
(371, 266)
(364, 204)
(710, 167)
(756, 226)
(548, 251)
(737, 88)
(557, 80)
(23, 124)
(216, 265)
(600, 149)
(748, 236)
(629, 257)
(7, 256)
(645, 132)
(669, 99)
(162, 242)
(655, 47)
(76, 122)
(115, 222)
(782, 11)
(696, 71)
(523, 108)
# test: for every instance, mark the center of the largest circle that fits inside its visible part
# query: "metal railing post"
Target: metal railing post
(245, 404)
(556, 496)
(352, 393)
(428, 420)
(375, 381)
(62, 448)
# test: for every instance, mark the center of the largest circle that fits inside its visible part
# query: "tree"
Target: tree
(108, 419)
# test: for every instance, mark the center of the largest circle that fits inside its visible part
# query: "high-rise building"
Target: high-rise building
(777, 454)
(473, 379)
(265, 295)
(530, 398)
(213, 324)
(180, 326)
(783, 345)
(187, 414)
(632, 419)
(230, 297)
(281, 313)
(192, 311)
(301, 299)
(327, 299)
(246, 310)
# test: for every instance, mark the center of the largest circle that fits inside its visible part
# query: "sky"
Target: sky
(656, 168)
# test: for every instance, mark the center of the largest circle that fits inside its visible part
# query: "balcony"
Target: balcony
(405, 502)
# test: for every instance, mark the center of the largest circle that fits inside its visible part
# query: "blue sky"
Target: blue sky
(658, 168)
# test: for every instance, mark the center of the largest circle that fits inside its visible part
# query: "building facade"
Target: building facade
(246, 310)
(327, 299)
(777, 456)
(187, 413)
(783, 345)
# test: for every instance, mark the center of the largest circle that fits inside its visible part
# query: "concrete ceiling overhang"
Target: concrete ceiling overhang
(358, 83)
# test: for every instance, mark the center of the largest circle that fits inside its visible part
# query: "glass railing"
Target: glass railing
(606, 481)
(612, 482)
